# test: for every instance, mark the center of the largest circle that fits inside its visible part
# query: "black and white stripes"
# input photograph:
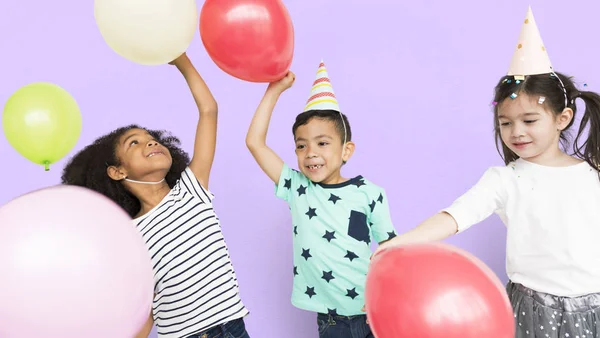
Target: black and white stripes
(195, 283)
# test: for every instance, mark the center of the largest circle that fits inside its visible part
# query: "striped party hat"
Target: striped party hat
(321, 94)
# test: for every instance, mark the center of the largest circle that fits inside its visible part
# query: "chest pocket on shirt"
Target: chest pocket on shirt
(358, 227)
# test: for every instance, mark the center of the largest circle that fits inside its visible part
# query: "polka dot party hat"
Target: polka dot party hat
(321, 93)
(530, 56)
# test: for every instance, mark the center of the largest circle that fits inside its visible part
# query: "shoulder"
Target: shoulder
(502, 171)
(188, 182)
(370, 186)
(367, 187)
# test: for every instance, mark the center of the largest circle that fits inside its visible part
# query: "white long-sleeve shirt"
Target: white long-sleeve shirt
(552, 215)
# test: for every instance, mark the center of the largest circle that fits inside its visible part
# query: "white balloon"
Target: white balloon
(148, 32)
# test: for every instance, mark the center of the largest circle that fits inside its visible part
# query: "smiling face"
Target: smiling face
(320, 151)
(142, 157)
(529, 130)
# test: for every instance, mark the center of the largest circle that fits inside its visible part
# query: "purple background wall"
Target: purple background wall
(415, 79)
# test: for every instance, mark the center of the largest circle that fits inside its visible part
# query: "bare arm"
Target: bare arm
(206, 130)
(256, 139)
(436, 228)
(147, 328)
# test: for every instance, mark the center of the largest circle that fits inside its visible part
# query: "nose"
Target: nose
(517, 130)
(310, 153)
(152, 143)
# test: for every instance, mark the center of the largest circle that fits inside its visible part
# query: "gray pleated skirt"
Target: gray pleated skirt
(541, 315)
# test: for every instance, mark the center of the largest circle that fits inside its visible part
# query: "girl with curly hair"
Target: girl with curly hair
(151, 177)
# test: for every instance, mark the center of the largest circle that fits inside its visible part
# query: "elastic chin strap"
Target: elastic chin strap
(140, 182)
(345, 135)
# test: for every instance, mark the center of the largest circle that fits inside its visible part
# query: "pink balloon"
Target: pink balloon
(73, 265)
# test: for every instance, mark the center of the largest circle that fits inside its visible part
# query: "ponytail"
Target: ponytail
(589, 150)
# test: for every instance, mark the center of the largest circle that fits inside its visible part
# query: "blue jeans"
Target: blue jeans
(343, 326)
(233, 329)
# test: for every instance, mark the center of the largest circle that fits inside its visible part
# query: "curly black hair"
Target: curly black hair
(88, 167)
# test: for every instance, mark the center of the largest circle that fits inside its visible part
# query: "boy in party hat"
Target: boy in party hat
(334, 218)
(548, 199)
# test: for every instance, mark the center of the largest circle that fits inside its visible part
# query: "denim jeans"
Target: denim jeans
(233, 329)
(343, 326)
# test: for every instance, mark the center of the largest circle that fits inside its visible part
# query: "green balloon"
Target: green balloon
(42, 122)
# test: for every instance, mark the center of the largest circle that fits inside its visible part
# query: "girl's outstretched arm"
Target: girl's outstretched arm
(206, 131)
(436, 228)
(475, 205)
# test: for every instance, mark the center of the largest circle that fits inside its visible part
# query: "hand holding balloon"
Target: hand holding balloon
(284, 84)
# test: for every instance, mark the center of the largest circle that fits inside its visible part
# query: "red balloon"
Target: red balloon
(435, 290)
(252, 40)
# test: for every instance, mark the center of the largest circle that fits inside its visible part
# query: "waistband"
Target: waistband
(570, 304)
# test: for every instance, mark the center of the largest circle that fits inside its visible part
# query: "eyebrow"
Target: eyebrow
(316, 137)
(522, 114)
(128, 137)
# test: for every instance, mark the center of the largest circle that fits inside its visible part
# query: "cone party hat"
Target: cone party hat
(530, 56)
(322, 96)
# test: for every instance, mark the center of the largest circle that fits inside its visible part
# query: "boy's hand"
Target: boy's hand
(283, 84)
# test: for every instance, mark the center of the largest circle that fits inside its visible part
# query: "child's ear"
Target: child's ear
(115, 173)
(348, 150)
(564, 118)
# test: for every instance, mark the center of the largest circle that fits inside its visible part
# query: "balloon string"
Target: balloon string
(46, 166)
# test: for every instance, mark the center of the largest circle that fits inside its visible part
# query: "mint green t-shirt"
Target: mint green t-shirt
(333, 226)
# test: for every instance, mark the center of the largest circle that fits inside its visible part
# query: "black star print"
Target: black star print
(372, 205)
(311, 212)
(301, 190)
(380, 199)
(295, 230)
(288, 183)
(332, 312)
(306, 254)
(359, 183)
(329, 235)
(310, 291)
(391, 235)
(295, 271)
(328, 276)
(333, 198)
(352, 293)
(350, 255)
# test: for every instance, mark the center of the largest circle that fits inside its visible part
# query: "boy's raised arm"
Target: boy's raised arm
(256, 139)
